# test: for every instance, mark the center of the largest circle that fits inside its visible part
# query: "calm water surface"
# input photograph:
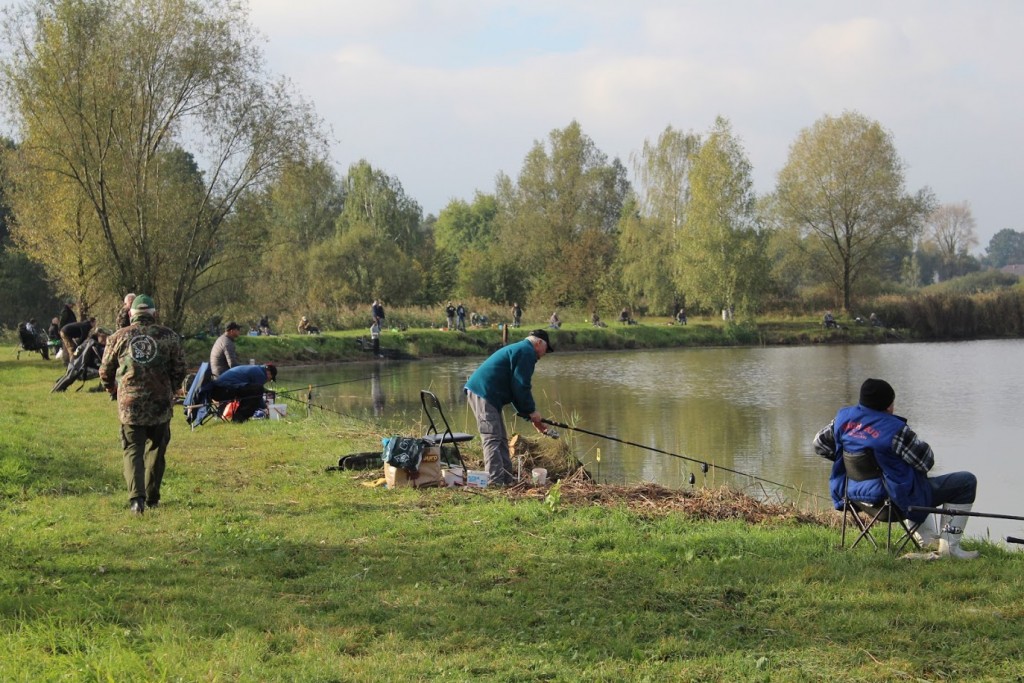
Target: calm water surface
(752, 410)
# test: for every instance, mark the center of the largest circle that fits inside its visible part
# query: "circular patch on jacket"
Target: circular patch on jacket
(142, 349)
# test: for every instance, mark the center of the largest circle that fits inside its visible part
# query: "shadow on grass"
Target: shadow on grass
(55, 469)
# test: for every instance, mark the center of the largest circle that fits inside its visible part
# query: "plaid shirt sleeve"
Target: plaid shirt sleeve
(912, 450)
(825, 442)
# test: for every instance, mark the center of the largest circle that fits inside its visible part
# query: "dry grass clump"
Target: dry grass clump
(577, 487)
(706, 503)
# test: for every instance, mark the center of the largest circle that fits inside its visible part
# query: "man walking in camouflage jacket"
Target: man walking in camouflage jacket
(143, 365)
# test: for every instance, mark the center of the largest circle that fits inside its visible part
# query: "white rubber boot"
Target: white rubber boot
(925, 534)
(952, 531)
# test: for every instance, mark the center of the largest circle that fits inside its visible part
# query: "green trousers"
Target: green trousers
(144, 467)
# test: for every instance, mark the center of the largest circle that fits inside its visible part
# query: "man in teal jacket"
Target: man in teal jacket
(505, 378)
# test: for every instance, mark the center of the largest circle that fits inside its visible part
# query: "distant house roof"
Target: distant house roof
(1013, 269)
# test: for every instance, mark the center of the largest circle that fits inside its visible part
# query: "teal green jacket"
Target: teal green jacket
(506, 377)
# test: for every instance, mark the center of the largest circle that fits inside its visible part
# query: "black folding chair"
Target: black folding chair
(32, 342)
(437, 437)
(862, 466)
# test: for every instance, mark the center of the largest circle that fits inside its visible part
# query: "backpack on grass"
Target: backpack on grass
(404, 452)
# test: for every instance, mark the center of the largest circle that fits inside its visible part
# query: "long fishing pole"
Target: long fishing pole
(309, 403)
(702, 463)
(965, 513)
(332, 384)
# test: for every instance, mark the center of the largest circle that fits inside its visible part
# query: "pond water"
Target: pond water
(751, 410)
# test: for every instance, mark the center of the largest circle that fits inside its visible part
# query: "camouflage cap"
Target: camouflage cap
(142, 303)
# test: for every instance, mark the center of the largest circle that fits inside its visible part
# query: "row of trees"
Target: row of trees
(155, 154)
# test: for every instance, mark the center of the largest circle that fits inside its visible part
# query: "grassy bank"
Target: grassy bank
(260, 565)
(652, 333)
(976, 308)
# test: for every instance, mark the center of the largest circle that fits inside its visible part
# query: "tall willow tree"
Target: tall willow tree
(113, 101)
(649, 240)
(377, 201)
(663, 176)
(560, 217)
(378, 247)
(463, 236)
(951, 229)
(843, 187)
(722, 258)
(71, 249)
(300, 210)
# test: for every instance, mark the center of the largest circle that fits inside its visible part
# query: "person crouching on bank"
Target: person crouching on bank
(243, 383)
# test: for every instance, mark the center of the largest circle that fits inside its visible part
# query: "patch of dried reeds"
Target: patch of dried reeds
(704, 503)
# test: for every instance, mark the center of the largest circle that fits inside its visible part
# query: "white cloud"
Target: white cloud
(444, 94)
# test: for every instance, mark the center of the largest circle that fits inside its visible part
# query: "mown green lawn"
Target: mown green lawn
(259, 565)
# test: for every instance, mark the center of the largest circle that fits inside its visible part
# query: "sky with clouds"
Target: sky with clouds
(445, 94)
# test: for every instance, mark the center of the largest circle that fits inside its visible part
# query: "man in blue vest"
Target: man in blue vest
(244, 383)
(905, 461)
(505, 377)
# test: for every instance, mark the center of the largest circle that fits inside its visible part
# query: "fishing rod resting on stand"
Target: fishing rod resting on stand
(965, 513)
(703, 464)
(971, 513)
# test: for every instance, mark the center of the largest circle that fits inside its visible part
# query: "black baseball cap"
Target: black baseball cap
(543, 334)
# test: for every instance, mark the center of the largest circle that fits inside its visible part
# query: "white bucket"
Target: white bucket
(277, 410)
(540, 476)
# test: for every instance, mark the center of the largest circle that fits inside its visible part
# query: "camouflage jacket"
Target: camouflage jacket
(145, 363)
(124, 317)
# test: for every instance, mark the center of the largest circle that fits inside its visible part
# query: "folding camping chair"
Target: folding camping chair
(32, 342)
(432, 409)
(862, 466)
(199, 405)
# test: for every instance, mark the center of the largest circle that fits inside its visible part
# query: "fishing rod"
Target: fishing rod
(944, 511)
(309, 404)
(703, 464)
(969, 513)
(332, 384)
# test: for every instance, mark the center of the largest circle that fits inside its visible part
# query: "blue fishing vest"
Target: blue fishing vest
(857, 428)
